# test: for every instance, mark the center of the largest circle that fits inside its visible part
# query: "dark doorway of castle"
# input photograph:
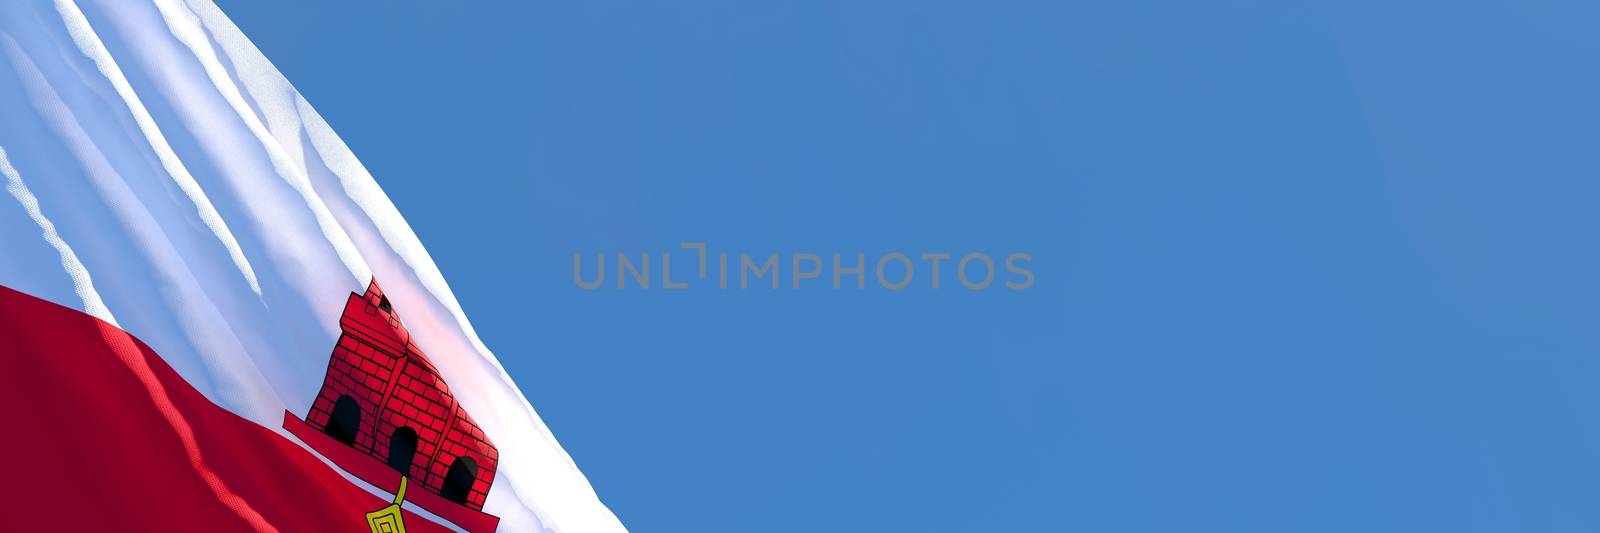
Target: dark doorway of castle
(458, 481)
(345, 420)
(402, 448)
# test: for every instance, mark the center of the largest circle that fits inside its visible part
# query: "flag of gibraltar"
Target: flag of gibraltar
(212, 318)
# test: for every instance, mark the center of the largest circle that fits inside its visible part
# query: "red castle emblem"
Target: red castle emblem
(384, 411)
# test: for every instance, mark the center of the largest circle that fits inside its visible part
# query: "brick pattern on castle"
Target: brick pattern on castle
(396, 386)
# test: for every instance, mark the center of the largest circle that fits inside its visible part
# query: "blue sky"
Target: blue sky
(1301, 266)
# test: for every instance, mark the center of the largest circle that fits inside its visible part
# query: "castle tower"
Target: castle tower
(383, 397)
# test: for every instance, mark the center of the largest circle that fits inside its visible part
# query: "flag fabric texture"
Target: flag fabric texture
(211, 316)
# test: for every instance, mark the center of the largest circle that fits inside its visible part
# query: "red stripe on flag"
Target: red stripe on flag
(100, 434)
